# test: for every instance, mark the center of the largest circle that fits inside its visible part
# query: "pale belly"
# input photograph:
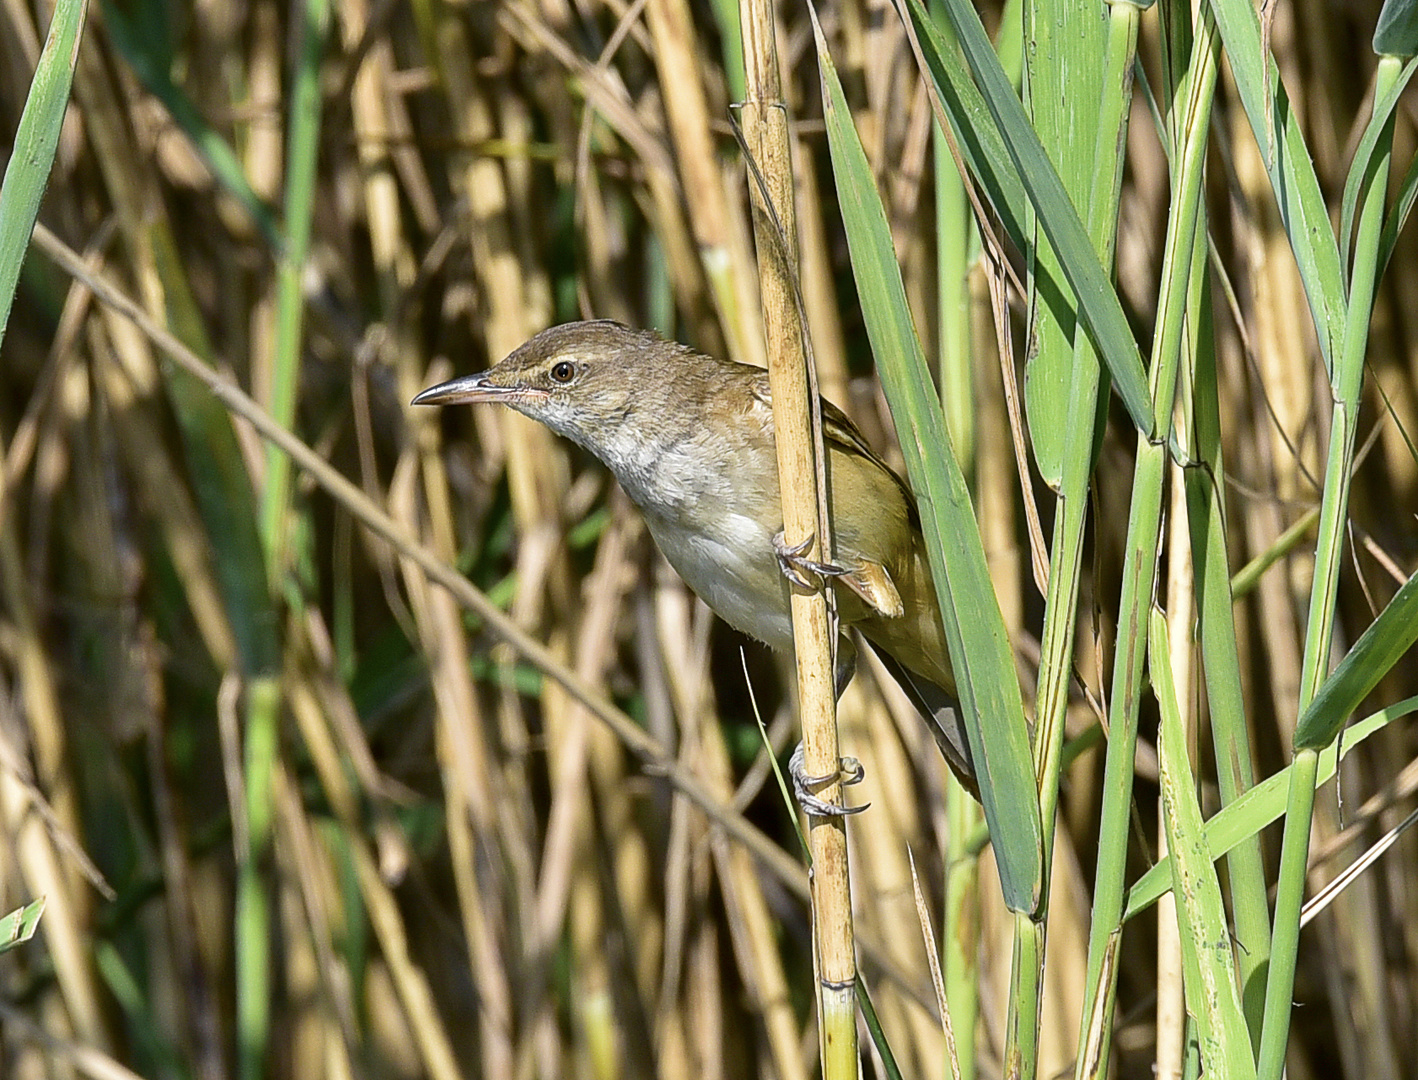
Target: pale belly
(734, 571)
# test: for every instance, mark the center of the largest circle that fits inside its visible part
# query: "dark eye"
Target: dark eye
(563, 371)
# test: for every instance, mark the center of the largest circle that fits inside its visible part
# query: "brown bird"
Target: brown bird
(690, 438)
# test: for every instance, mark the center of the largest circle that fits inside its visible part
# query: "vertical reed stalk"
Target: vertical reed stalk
(1347, 380)
(765, 122)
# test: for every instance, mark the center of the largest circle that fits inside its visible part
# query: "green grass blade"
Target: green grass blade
(36, 138)
(726, 16)
(1247, 578)
(1213, 1001)
(1292, 174)
(1289, 902)
(1364, 153)
(1397, 31)
(960, 960)
(1222, 667)
(1373, 656)
(1261, 806)
(1098, 304)
(979, 645)
(957, 247)
(877, 1033)
(1398, 216)
(20, 925)
(1183, 276)
(1065, 439)
(1346, 385)
(981, 145)
(1026, 973)
(1064, 65)
(303, 144)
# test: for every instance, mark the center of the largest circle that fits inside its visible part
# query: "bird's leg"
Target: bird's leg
(869, 580)
(849, 770)
(794, 562)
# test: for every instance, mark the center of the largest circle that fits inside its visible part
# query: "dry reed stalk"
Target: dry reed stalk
(387, 202)
(320, 1039)
(880, 842)
(750, 921)
(394, 262)
(663, 199)
(591, 817)
(537, 475)
(678, 61)
(160, 489)
(40, 870)
(467, 766)
(673, 1026)
(627, 853)
(310, 868)
(804, 518)
(409, 983)
(475, 817)
(820, 300)
(536, 478)
(603, 247)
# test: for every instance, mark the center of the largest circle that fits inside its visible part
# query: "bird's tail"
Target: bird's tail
(942, 710)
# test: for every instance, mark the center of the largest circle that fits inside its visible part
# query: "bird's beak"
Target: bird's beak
(468, 390)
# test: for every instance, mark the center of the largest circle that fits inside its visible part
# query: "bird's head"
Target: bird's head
(587, 381)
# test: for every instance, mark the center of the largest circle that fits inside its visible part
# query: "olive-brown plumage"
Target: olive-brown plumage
(690, 439)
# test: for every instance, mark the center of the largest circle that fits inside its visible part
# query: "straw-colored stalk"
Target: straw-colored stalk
(775, 228)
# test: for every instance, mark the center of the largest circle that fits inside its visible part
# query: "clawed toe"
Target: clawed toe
(794, 565)
(850, 771)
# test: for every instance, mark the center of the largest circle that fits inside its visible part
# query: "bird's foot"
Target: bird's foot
(850, 771)
(796, 566)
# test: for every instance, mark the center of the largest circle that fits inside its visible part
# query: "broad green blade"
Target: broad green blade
(981, 146)
(1363, 156)
(1373, 656)
(1292, 174)
(1098, 304)
(27, 172)
(20, 925)
(1064, 66)
(1213, 1000)
(1397, 31)
(1259, 807)
(979, 646)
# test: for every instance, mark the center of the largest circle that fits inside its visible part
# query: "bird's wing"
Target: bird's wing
(865, 574)
(837, 427)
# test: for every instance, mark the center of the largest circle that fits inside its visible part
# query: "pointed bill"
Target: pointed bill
(472, 389)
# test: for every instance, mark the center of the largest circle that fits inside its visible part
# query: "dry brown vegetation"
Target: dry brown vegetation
(454, 868)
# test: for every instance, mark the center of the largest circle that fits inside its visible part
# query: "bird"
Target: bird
(690, 439)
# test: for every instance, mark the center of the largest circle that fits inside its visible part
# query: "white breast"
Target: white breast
(731, 566)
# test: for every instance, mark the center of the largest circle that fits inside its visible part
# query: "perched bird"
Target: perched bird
(690, 439)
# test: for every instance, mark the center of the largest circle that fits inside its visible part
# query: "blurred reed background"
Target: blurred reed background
(296, 813)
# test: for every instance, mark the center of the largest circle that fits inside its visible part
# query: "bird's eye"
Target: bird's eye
(563, 371)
